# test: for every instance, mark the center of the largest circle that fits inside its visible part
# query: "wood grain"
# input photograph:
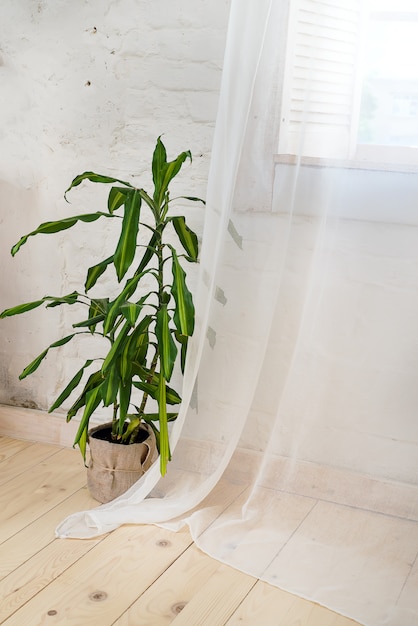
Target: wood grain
(135, 576)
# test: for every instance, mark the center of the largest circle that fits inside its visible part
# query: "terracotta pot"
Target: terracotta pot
(115, 467)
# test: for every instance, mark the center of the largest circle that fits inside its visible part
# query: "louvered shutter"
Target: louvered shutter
(319, 94)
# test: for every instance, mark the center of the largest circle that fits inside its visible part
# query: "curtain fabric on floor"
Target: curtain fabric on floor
(295, 452)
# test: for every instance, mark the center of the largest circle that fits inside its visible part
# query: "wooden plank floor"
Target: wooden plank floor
(137, 575)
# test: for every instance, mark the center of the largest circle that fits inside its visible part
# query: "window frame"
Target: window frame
(354, 154)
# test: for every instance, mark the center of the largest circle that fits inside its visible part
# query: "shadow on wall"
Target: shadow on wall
(21, 280)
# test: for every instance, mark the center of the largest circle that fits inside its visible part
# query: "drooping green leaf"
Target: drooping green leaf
(191, 198)
(94, 178)
(93, 381)
(94, 273)
(152, 390)
(90, 323)
(123, 297)
(126, 247)
(98, 306)
(70, 387)
(21, 308)
(72, 298)
(187, 237)
(183, 340)
(62, 342)
(117, 197)
(154, 417)
(93, 399)
(82, 443)
(29, 369)
(184, 313)
(166, 345)
(48, 228)
(131, 311)
(97, 313)
(150, 251)
(52, 302)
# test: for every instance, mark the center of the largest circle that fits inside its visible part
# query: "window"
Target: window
(388, 115)
(351, 83)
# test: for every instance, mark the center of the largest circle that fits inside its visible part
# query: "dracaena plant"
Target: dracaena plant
(147, 331)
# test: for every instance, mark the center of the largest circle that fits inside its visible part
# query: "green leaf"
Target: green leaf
(184, 313)
(126, 247)
(70, 387)
(82, 443)
(90, 323)
(187, 237)
(28, 306)
(166, 345)
(150, 251)
(93, 399)
(136, 348)
(183, 341)
(94, 273)
(117, 197)
(165, 454)
(163, 172)
(124, 400)
(21, 308)
(93, 381)
(133, 424)
(110, 386)
(62, 342)
(94, 178)
(70, 299)
(29, 369)
(151, 389)
(131, 311)
(154, 417)
(48, 228)
(116, 348)
(191, 198)
(97, 313)
(123, 297)
(98, 306)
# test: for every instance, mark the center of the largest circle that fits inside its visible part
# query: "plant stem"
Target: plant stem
(115, 421)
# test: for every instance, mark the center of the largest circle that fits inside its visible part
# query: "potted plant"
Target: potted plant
(145, 326)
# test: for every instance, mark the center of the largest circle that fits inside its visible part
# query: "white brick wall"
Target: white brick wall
(89, 85)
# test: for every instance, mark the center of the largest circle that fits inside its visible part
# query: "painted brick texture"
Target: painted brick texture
(89, 85)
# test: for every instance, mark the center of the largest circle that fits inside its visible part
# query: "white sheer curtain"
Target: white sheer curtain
(295, 453)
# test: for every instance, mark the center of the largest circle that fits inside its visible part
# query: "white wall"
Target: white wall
(89, 85)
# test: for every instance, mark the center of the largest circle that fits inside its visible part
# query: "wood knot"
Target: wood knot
(52, 612)
(163, 543)
(178, 607)
(98, 596)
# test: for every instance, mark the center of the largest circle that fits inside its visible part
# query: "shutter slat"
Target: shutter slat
(322, 63)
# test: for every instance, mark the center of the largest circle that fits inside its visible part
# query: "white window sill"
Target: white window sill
(354, 164)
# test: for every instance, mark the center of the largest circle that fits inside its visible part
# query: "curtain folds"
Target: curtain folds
(295, 452)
